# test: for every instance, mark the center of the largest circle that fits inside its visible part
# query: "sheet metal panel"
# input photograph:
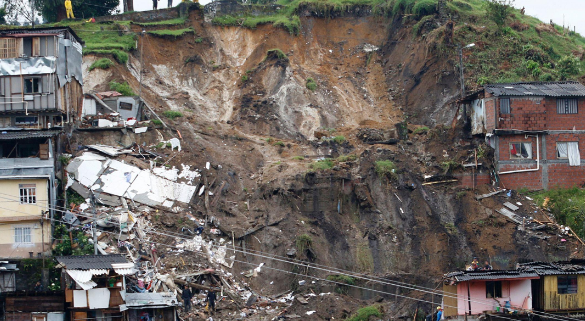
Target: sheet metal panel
(27, 66)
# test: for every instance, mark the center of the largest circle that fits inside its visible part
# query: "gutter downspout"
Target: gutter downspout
(531, 169)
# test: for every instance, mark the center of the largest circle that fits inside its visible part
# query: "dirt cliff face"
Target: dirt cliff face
(370, 72)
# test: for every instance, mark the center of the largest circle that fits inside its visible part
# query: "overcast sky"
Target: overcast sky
(573, 10)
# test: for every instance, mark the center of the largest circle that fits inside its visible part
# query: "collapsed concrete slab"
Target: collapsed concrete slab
(115, 178)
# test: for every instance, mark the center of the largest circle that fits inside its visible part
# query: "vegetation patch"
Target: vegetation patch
(342, 279)
(386, 168)
(365, 260)
(346, 158)
(172, 114)
(103, 63)
(298, 158)
(567, 206)
(421, 130)
(276, 54)
(170, 22)
(322, 164)
(166, 33)
(303, 243)
(365, 313)
(289, 22)
(279, 143)
(339, 139)
(119, 55)
(311, 84)
(122, 88)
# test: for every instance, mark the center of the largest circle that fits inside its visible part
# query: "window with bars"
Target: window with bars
(22, 235)
(567, 106)
(504, 105)
(28, 193)
(8, 48)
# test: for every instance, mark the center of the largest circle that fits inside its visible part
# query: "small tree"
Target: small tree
(568, 66)
(499, 10)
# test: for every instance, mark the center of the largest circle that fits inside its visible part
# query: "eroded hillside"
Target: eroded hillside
(341, 164)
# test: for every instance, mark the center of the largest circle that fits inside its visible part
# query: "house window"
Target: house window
(566, 106)
(569, 150)
(26, 120)
(504, 105)
(521, 150)
(126, 106)
(567, 284)
(8, 48)
(32, 85)
(22, 235)
(28, 193)
(493, 289)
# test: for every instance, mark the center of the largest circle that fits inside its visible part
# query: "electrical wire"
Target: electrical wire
(329, 269)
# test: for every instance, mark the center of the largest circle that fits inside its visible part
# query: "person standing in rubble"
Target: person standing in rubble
(187, 295)
(154, 4)
(487, 266)
(211, 300)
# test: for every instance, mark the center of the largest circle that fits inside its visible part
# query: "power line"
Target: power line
(334, 270)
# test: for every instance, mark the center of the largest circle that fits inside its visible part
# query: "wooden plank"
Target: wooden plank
(450, 302)
(511, 206)
(44, 151)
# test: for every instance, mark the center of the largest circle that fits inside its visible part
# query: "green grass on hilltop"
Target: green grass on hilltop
(170, 22)
(525, 49)
(171, 33)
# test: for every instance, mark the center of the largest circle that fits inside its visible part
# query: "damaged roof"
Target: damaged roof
(28, 134)
(549, 89)
(25, 167)
(88, 262)
(39, 31)
(556, 268)
(461, 276)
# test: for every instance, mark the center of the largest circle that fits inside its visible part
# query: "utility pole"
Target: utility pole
(94, 227)
(461, 77)
(141, 62)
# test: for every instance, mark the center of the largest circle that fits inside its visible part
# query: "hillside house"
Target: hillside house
(40, 90)
(537, 131)
(40, 77)
(560, 286)
(95, 285)
(474, 292)
(28, 192)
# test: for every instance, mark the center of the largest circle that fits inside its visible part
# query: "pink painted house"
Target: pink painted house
(474, 292)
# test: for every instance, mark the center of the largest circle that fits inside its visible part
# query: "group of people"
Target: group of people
(476, 267)
(188, 296)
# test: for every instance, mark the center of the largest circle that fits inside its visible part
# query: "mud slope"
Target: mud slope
(254, 119)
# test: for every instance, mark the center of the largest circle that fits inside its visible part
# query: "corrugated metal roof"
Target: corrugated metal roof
(87, 262)
(550, 89)
(28, 134)
(556, 268)
(489, 275)
(29, 167)
(35, 31)
(150, 300)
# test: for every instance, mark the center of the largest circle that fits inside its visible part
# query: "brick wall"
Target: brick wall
(565, 121)
(557, 174)
(563, 175)
(531, 180)
(526, 113)
(532, 113)
(551, 140)
(505, 142)
(466, 179)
